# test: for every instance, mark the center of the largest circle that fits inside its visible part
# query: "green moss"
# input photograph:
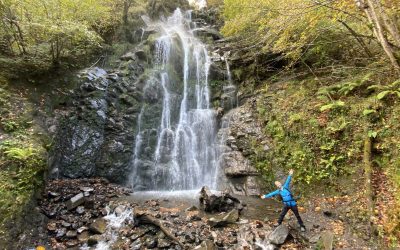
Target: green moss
(22, 157)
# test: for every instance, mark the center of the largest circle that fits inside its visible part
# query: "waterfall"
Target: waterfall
(198, 3)
(230, 96)
(175, 146)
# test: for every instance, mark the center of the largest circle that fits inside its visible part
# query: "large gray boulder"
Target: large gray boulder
(75, 201)
(98, 226)
(224, 219)
(279, 235)
(218, 201)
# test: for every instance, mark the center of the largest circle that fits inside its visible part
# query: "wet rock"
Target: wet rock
(61, 232)
(53, 194)
(72, 243)
(94, 239)
(80, 209)
(141, 54)
(279, 235)
(98, 226)
(71, 234)
(65, 224)
(75, 201)
(236, 165)
(83, 237)
(224, 219)
(217, 201)
(207, 32)
(119, 210)
(138, 233)
(137, 245)
(128, 56)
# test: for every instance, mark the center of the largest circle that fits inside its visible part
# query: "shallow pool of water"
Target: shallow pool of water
(255, 209)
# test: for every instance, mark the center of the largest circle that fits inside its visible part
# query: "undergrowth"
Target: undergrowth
(22, 156)
(318, 124)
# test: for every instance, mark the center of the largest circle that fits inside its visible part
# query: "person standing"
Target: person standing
(289, 203)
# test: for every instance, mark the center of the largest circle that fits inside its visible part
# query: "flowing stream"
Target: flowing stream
(175, 146)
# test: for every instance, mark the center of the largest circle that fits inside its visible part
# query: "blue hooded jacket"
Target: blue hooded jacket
(285, 193)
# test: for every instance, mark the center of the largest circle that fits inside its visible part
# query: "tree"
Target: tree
(57, 28)
(328, 31)
(382, 25)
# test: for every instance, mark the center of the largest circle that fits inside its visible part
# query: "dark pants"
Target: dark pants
(295, 211)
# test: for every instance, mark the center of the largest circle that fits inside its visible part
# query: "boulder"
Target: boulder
(128, 56)
(279, 235)
(141, 54)
(218, 201)
(236, 165)
(83, 237)
(207, 32)
(93, 240)
(224, 219)
(75, 201)
(98, 226)
(71, 234)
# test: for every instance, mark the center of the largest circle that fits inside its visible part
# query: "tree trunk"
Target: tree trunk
(20, 36)
(368, 178)
(390, 24)
(369, 9)
(125, 12)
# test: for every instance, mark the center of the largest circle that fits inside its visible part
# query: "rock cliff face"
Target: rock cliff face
(98, 135)
(239, 135)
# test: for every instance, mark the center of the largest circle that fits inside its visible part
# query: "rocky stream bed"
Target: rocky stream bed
(95, 214)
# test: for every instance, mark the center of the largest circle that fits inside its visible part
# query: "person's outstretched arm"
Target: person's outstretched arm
(288, 179)
(272, 194)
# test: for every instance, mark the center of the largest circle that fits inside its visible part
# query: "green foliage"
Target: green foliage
(20, 154)
(392, 89)
(9, 126)
(50, 30)
(300, 30)
(372, 134)
(326, 147)
(368, 111)
(22, 157)
(344, 88)
(333, 105)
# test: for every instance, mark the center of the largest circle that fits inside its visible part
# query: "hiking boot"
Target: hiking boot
(303, 228)
(276, 225)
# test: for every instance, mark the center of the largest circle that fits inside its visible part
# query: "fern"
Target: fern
(20, 154)
(333, 105)
(392, 89)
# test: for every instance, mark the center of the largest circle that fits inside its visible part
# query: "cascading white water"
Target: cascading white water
(230, 96)
(177, 150)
